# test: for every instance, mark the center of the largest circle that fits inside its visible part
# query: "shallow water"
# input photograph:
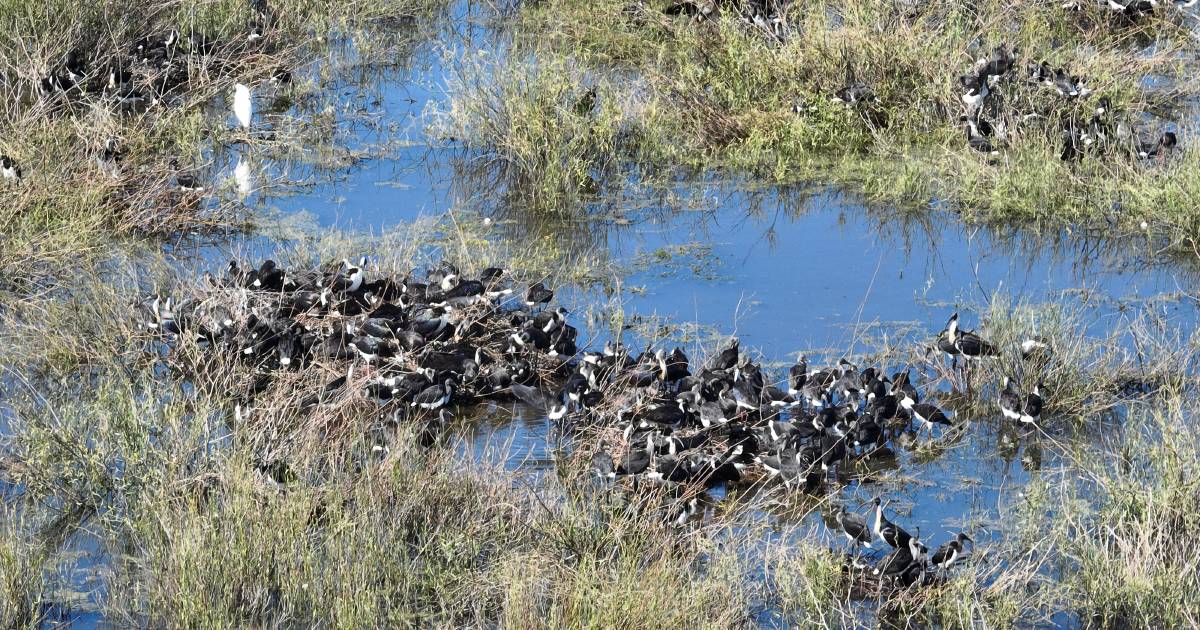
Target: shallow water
(787, 269)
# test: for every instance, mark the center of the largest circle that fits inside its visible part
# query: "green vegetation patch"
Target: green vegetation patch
(591, 88)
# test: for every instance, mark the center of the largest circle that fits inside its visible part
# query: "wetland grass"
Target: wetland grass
(21, 576)
(719, 93)
(206, 531)
(282, 519)
(79, 191)
(1116, 526)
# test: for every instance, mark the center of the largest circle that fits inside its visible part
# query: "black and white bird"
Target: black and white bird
(946, 345)
(637, 458)
(538, 294)
(969, 344)
(976, 90)
(602, 462)
(854, 527)
(1068, 85)
(435, 396)
(187, 181)
(1036, 349)
(1031, 412)
(790, 466)
(329, 390)
(553, 406)
(1159, 147)
(856, 93)
(728, 357)
(902, 387)
(978, 135)
(925, 414)
(867, 433)
(902, 562)
(797, 375)
(349, 279)
(950, 552)
(109, 158)
(888, 531)
(547, 321)
(1010, 401)
(9, 169)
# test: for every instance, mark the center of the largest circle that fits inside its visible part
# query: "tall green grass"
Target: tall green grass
(720, 94)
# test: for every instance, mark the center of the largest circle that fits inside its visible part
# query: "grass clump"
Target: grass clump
(551, 136)
(405, 546)
(721, 92)
(1128, 528)
(21, 578)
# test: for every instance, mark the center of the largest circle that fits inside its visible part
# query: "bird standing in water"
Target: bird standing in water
(243, 108)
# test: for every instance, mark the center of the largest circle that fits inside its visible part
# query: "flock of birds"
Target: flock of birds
(982, 86)
(158, 66)
(420, 346)
(1131, 9)
(153, 71)
(990, 120)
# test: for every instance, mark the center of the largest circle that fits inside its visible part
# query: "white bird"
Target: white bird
(242, 107)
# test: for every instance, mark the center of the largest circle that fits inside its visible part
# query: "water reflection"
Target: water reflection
(242, 177)
(788, 268)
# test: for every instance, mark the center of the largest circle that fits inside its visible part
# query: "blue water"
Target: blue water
(787, 269)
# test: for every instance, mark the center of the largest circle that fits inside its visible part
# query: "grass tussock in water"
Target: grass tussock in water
(1117, 525)
(673, 91)
(1081, 377)
(21, 577)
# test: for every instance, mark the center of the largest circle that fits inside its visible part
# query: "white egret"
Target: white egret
(242, 107)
